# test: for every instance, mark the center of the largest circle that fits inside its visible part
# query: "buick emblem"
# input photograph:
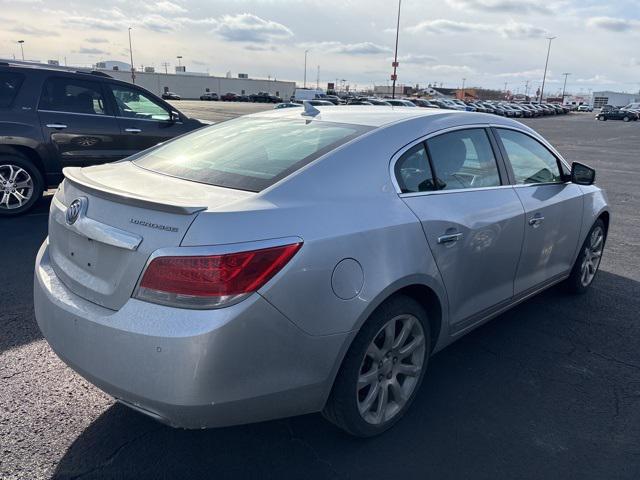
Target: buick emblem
(74, 210)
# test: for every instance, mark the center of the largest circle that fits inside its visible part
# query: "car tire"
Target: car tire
(24, 173)
(602, 118)
(392, 376)
(586, 266)
(626, 118)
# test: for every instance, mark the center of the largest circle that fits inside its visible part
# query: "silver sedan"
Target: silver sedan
(298, 261)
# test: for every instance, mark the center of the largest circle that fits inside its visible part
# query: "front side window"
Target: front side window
(530, 160)
(247, 153)
(463, 159)
(9, 86)
(72, 95)
(132, 103)
(413, 171)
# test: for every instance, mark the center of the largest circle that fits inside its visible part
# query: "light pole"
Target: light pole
(394, 76)
(21, 42)
(179, 57)
(564, 87)
(463, 81)
(305, 69)
(544, 77)
(133, 71)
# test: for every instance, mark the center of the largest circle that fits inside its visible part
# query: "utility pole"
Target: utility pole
(133, 71)
(544, 77)
(179, 57)
(564, 87)
(463, 82)
(394, 76)
(21, 42)
(305, 69)
(526, 88)
(166, 66)
(505, 90)
(318, 78)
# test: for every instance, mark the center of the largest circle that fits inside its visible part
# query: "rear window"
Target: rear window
(9, 86)
(247, 153)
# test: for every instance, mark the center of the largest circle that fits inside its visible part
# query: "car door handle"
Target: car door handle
(536, 220)
(449, 238)
(57, 126)
(132, 130)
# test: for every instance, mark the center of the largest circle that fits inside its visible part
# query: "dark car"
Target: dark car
(209, 96)
(419, 102)
(53, 118)
(229, 97)
(613, 113)
(242, 98)
(377, 102)
(171, 96)
(264, 97)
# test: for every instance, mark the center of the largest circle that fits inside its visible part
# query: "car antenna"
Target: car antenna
(309, 110)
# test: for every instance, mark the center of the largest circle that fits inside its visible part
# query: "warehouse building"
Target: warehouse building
(193, 85)
(616, 99)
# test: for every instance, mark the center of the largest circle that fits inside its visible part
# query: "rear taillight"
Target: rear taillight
(211, 281)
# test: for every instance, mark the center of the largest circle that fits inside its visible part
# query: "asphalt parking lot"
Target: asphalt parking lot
(550, 389)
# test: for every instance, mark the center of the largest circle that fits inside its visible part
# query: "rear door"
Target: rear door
(553, 209)
(472, 218)
(77, 123)
(143, 120)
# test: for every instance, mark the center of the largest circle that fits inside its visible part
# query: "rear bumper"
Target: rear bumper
(189, 368)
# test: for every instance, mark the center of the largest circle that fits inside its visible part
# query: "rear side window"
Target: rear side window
(72, 95)
(248, 153)
(9, 86)
(463, 159)
(413, 171)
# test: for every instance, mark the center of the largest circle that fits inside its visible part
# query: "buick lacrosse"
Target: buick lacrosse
(292, 261)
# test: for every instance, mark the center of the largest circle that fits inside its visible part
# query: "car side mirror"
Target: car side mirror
(581, 174)
(174, 117)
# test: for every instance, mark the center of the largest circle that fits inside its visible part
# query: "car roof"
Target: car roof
(379, 116)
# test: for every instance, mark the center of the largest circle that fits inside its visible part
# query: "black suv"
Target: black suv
(54, 118)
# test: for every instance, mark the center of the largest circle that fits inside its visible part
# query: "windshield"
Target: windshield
(247, 153)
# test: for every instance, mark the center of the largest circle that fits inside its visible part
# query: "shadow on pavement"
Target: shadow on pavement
(21, 239)
(550, 389)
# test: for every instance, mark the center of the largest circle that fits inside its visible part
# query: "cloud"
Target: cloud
(96, 40)
(166, 7)
(522, 30)
(92, 51)
(441, 25)
(416, 59)
(364, 48)
(109, 20)
(33, 31)
(480, 56)
(451, 69)
(246, 27)
(259, 48)
(537, 73)
(614, 24)
(502, 6)
(158, 23)
(595, 80)
(510, 30)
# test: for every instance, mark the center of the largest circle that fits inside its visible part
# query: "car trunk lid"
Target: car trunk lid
(105, 222)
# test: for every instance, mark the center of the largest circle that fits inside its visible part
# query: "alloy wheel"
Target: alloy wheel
(16, 187)
(390, 369)
(592, 256)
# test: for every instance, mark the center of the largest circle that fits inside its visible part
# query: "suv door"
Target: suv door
(553, 209)
(471, 216)
(144, 120)
(76, 122)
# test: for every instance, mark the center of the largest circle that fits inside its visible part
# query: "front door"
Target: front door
(553, 210)
(144, 122)
(76, 122)
(472, 218)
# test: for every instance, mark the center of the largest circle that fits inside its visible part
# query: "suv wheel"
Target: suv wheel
(21, 185)
(382, 370)
(626, 118)
(602, 118)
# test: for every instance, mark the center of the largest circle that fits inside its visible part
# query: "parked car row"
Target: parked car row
(626, 114)
(260, 97)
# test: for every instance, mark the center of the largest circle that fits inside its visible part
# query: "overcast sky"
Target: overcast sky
(488, 42)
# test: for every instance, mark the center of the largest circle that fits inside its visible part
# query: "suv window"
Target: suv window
(9, 86)
(72, 95)
(132, 103)
(530, 160)
(463, 159)
(413, 172)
